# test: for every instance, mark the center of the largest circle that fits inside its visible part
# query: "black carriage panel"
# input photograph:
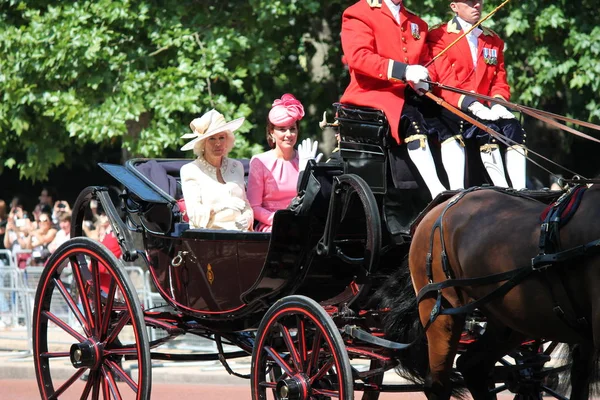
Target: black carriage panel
(364, 134)
(206, 271)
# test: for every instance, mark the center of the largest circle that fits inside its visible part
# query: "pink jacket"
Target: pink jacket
(272, 184)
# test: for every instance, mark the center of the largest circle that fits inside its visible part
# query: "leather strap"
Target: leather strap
(543, 116)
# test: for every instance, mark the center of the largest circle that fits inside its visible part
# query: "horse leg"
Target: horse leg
(442, 337)
(477, 363)
(581, 370)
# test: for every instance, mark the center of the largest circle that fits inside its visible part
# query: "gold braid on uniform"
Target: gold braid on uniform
(488, 148)
(458, 138)
(420, 136)
(519, 148)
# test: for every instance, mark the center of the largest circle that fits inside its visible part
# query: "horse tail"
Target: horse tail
(562, 382)
(402, 323)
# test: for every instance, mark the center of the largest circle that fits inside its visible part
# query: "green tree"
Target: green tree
(136, 72)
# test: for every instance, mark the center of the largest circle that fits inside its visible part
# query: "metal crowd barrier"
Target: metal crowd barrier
(17, 296)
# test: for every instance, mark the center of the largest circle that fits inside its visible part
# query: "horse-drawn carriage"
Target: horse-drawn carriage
(305, 301)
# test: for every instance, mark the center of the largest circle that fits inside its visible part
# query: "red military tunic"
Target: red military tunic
(377, 50)
(455, 67)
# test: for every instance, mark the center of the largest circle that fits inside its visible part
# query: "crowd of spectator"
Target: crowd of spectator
(34, 236)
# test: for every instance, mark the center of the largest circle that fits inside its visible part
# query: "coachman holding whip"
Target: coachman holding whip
(482, 73)
(385, 47)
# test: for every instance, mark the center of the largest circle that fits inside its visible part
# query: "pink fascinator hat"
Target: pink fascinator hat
(286, 111)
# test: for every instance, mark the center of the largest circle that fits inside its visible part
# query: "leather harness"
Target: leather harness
(548, 262)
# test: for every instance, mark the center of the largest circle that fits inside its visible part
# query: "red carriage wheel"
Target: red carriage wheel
(299, 354)
(88, 318)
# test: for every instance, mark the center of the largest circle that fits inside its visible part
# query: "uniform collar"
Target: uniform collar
(466, 26)
(455, 26)
(394, 9)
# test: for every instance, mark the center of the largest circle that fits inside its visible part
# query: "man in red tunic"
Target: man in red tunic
(385, 47)
(475, 63)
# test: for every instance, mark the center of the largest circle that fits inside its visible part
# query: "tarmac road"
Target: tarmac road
(26, 389)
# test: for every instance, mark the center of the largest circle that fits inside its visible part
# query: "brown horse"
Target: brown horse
(489, 232)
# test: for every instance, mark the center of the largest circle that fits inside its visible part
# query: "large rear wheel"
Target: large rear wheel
(299, 354)
(88, 323)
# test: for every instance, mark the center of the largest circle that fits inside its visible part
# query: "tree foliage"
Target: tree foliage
(134, 73)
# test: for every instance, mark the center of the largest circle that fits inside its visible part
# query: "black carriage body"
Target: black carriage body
(219, 275)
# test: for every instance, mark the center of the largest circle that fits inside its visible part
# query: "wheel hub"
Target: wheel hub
(84, 355)
(294, 388)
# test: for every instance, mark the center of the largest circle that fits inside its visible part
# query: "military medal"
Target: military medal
(490, 56)
(414, 28)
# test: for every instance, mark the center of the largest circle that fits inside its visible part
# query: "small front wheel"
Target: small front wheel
(299, 354)
(87, 315)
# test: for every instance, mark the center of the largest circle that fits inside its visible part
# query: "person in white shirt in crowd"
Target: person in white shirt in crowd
(213, 185)
(63, 234)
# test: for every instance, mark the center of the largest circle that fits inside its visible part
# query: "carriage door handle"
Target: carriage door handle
(178, 259)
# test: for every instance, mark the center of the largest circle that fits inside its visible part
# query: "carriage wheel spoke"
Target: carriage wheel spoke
(58, 354)
(322, 371)
(327, 393)
(108, 308)
(124, 318)
(88, 387)
(315, 353)
(117, 369)
(71, 303)
(289, 343)
(97, 380)
(64, 326)
(280, 361)
(96, 296)
(110, 384)
(58, 392)
(105, 388)
(77, 266)
(270, 385)
(301, 335)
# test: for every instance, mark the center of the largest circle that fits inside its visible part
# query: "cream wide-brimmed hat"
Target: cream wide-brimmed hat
(210, 124)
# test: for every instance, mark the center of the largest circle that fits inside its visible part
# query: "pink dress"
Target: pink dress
(272, 184)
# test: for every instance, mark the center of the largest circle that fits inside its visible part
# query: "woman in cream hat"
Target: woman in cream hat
(213, 185)
(273, 176)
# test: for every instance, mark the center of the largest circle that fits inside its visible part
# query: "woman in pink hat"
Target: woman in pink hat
(273, 175)
(213, 184)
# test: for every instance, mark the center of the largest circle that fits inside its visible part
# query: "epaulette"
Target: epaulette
(488, 31)
(436, 26)
(409, 11)
(375, 3)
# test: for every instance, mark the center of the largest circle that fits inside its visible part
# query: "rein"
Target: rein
(495, 134)
(543, 116)
(540, 263)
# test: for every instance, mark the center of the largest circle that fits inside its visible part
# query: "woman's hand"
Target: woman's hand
(307, 150)
(233, 203)
(242, 223)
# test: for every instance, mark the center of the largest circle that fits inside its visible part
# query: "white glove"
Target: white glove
(482, 112)
(421, 86)
(416, 73)
(242, 223)
(234, 203)
(307, 150)
(502, 112)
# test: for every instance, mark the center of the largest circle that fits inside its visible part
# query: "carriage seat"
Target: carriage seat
(164, 173)
(364, 134)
